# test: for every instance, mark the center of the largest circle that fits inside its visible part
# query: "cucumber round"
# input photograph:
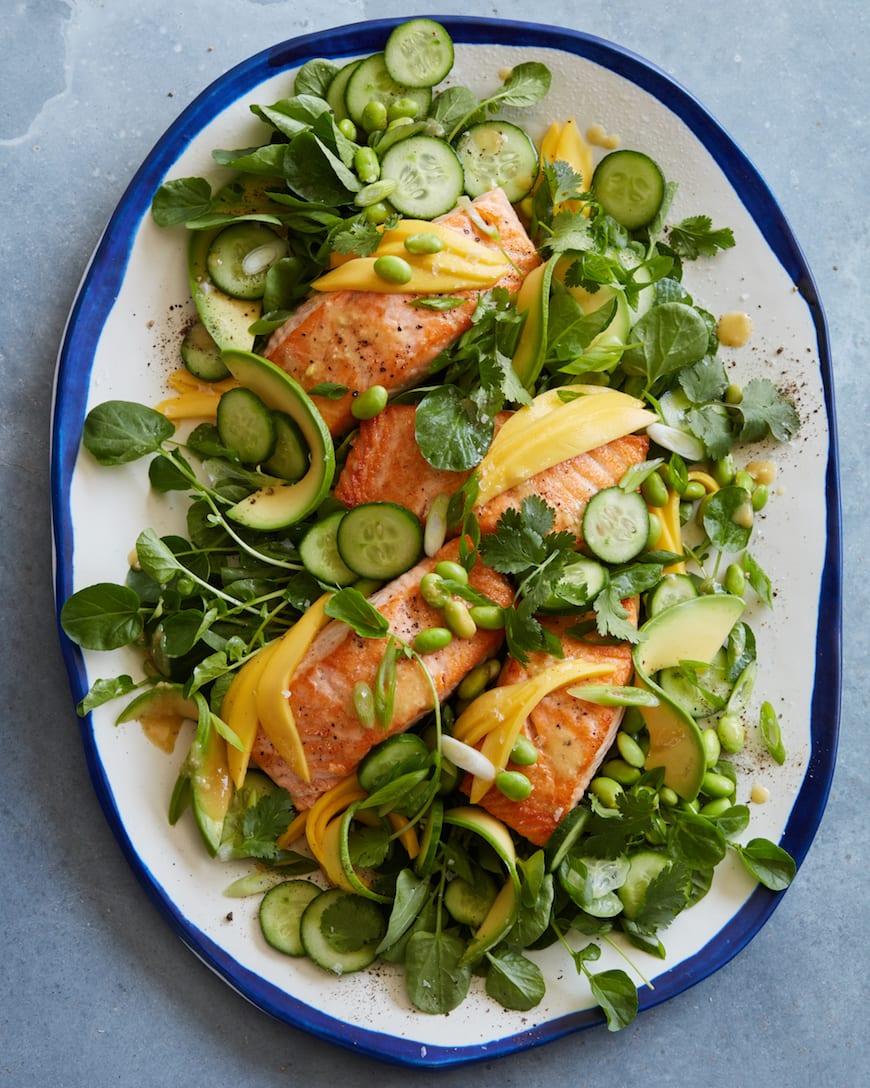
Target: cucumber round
(616, 525)
(428, 176)
(672, 589)
(246, 425)
(630, 187)
(201, 354)
(419, 53)
(281, 910)
(240, 257)
(578, 585)
(497, 154)
(318, 551)
(370, 81)
(380, 540)
(394, 757)
(289, 458)
(329, 944)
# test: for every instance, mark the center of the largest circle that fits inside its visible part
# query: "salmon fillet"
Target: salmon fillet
(385, 464)
(321, 695)
(363, 338)
(571, 736)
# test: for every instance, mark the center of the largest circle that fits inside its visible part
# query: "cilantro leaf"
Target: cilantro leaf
(263, 823)
(695, 237)
(764, 408)
(665, 897)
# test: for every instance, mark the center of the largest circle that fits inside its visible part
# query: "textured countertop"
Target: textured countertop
(97, 989)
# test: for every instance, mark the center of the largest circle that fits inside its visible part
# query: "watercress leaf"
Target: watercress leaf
(313, 172)
(103, 691)
(180, 200)
(764, 408)
(118, 431)
(770, 865)
(719, 512)
(616, 995)
(352, 608)
(570, 330)
(104, 616)
(411, 895)
(759, 581)
(514, 981)
(265, 161)
(165, 475)
(642, 940)
(670, 337)
(527, 84)
(733, 821)
(452, 106)
(181, 632)
(696, 841)
(209, 669)
(435, 979)
(156, 557)
(315, 76)
(451, 431)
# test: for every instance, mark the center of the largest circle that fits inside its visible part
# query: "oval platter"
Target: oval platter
(121, 342)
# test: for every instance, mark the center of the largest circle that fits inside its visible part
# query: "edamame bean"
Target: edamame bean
(760, 496)
(364, 704)
(723, 470)
(377, 213)
(376, 193)
(398, 122)
(735, 579)
(744, 480)
(716, 785)
(715, 808)
(694, 490)
(620, 772)
(513, 784)
(370, 402)
(458, 619)
(403, 107)
(607, 790)
(488, 616)
(668, 797)
(524, 753)
(432, 590)
(712, 747)
(423, 242)
(347, 128)
(366, 164)
(655, 531)
(630, 750)
(431, 639)
(374, 116)
(393, 269)
(654, 490)
(733, 394)
(477, 680)
(731, 733)
(454, 572)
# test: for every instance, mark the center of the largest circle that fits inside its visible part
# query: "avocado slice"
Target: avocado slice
(691, 630)
(279, 505)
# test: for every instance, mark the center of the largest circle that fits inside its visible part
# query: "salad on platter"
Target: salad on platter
(461, 621)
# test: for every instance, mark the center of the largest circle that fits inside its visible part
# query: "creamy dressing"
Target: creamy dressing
(598, 136)
(734, 329)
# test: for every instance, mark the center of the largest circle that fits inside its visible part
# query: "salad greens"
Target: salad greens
(632, 856)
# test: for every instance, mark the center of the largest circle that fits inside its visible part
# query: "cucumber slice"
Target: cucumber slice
(428, 175)
(469, 903)
(616, 525)
(672, 589)
(370, 81)
(396, 756)
(318, 550)
(497, 154)
(380, 540)
(629, 186)
(643, 869)
(419, 53)
(709, 694)
(241, 255)
(335, 92)
(246, 425)
(329, 944)
(201, 354)
(289, 458)
(281, 910)
(579, 585)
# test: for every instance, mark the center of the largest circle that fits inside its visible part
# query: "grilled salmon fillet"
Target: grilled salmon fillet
(362, 338)
(570, 735)
(321, 695)
(385, 464)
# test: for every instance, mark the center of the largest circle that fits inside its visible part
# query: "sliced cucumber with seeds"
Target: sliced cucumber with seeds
(672, 589)
(328, 940)
(281, 910)
(497, 154)
(318, 551)
(419, 53)
(201, 354)
(616, 525)
(380, 540)
(289, 458)
(335, 92)
(579, 584)
(428, 175)
(240, 257)
(246, 425)
(371, 82)
(629, 186)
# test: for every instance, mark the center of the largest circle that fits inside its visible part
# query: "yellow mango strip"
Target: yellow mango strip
(436, 273)
(551, 430)
(273, 707)
(672, 532)
(497, 716)
(408, 837)
(239, 710)
(182, 381)
(700, 477)
(195, 399)
(295, 831)
(327, 806)
(573, 149)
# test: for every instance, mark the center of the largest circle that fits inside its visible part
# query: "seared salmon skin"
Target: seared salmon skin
(321, 690)
(571, 736)
(362, 338)
(385, 465)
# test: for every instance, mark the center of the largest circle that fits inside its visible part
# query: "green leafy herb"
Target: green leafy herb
(696, 237)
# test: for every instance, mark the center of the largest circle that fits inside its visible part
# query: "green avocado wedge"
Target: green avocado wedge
(280, 505)
(692, 630)
(226, 319)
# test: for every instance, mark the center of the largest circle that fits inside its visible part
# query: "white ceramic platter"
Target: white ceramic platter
(122, 341)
